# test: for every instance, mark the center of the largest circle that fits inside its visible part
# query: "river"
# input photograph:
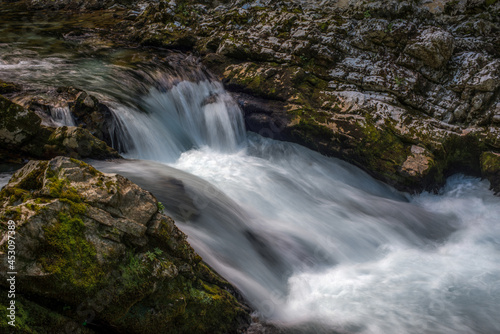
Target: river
(314, 244)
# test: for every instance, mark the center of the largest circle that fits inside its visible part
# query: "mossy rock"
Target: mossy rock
(17, 125)
(490, 169)
(9, 87)
(77, 142)
(93, 251)
(32, 318)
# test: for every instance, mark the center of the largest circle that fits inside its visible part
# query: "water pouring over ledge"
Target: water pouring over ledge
(314, 244)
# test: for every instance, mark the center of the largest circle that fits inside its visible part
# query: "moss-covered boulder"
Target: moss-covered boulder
(94, 252)
(17, 125)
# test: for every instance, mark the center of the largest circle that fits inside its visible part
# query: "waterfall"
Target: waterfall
(313, 243)
(61, 116)
(189, 115)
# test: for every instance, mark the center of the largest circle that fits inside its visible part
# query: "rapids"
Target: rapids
(314, 244)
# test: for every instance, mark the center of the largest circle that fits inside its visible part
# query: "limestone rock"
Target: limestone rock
(17, 125)
(78, 143)
(418, 163)
(337, 76)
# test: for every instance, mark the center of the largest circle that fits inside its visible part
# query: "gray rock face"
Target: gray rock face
(363, 81)
(82, 235)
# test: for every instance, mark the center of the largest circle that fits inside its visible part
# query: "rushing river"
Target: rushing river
(314, 244)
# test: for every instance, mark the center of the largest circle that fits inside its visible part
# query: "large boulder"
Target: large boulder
(94, 252)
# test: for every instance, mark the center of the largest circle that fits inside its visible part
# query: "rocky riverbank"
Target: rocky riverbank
(28, 131)
(408, 91)
(94, 253)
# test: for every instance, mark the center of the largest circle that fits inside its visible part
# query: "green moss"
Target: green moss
(68, 255)
(323, 27)
(194, 306)
(13, 213)
(490, 169)
(83, 165)
(132, 271)
(60, 188)
(381, 152)
(33, 207)
(462, 154)
(34, 180)
(15, 194)
(490, 163)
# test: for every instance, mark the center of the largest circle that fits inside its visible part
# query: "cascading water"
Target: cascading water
(314, 244)
(62, 116)
(189, 115)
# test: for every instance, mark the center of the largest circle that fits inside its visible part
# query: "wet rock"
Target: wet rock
(17, 125)
(342, 75)
(70, 106)
(418, 163)
(97, 242)
(78, 143)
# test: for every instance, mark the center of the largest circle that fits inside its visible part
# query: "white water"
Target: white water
(314, 244)
(62, 116)
(189, 115)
